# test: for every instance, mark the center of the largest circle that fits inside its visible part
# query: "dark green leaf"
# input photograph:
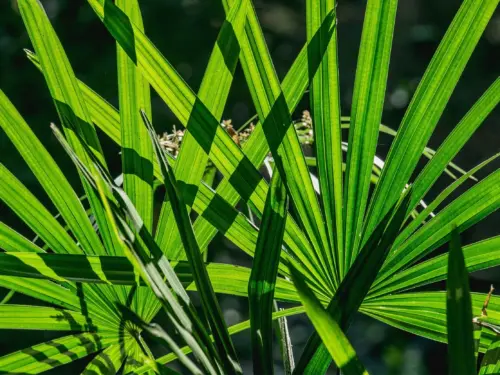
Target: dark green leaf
(461, 358)
(263, 277)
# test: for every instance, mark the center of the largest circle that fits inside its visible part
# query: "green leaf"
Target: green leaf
(59, 75)
(491, 360)
(465, 211)
(207, 203)
(226, 155)
(68, 99)
(428, 104)
(428, 211)
(424, 313)
(329, 330)
(256, 149)
(461, 359)
(478, 256)
(428, 152)
(64, 267)
(49, 175)
(7, 297)
(81, 300)
(54, 353)
(225, 278)
(325, 107)
(455, 141)
(477, 331)
(232, 330)
(209, 301)
(137, 151)
(43, 223)
(192, 159)
(159, 334)
(366, 115)
(355, 286)
(138, 245)
(284, 145)
(107, 362)
(263, 277)
(10, 240)
(43, 290)
(15, 195)
(42, 318)
(213, 209)
(85, 299)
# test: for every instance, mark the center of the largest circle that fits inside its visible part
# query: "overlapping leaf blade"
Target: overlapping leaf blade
(461, 359)
(43, 318)
(58, 295)
(108, 361)
(49, 175)
(491, 360)
(232, 330)
(472, 206)
(193, 156)
(329, 330)
(156, 271)
(225, 278)
(478, 256)
(455, 141)
(225, 154)
(263, 277)
(366, 114)
(137, 151)
(54, 353)
(428, 104)
(15, 195)
(424, 313)
(10, 240)
(432, 206)
(355, 286)
(159, 334)
(325, 107)
(210, 304)
(284, 145)
(67, 97)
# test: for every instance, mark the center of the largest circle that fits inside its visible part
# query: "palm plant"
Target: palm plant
(109, 268)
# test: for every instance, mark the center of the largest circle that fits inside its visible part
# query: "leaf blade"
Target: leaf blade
(15, 195)
(209, 301)
(329, 330)
(455, 141)
(366, 114)
(67, 98)
(354, 287)
(461, 358)
(49, 175)
(137, 152)
(325, 106)
(43, 318)
(54, 353)
(428, 104)
(263, 277)
(214, 90)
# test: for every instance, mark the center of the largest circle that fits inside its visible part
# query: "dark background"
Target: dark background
(185, 31)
